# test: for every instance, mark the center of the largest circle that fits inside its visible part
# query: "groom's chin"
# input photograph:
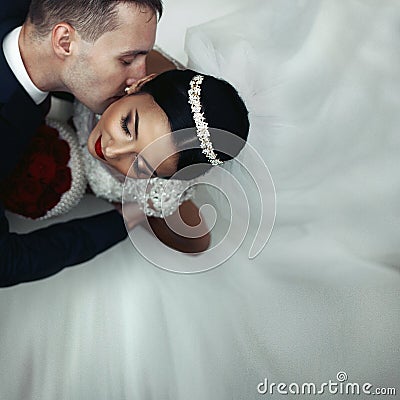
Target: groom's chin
(96, 106)
(100, 108)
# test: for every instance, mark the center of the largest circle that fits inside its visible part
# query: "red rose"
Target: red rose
(11, 201)
(49, 199)
(63, 180)
(42, 167)
(28, 191)
(61, 152)
(23, 198)
(21, 195)
(41, 177)
(31, 210)
(39, 144)
(47, 131)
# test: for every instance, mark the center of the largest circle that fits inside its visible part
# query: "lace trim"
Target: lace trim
(73, 196)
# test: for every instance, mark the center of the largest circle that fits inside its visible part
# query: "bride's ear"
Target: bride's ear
(138, 84)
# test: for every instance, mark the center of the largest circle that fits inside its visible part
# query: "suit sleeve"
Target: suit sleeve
(16, 9)
(42, 253)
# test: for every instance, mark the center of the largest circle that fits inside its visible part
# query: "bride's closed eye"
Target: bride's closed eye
(126, 119)
(124, 125)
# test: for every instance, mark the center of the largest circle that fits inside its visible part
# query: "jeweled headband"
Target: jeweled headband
(201, 125)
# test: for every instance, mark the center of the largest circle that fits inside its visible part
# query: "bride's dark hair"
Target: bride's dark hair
(223, 109)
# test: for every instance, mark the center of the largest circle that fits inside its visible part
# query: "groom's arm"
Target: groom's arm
(190, 236)
(44, 252)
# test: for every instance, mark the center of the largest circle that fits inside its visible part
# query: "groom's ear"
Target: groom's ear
(138, 84)
(62, 36)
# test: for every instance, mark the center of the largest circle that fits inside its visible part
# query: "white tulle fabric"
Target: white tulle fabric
(322, 82)
(151, 194)
(322, 103)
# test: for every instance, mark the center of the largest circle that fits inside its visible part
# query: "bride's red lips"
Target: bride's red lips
(97, 148)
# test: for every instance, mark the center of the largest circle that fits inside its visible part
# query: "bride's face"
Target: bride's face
(125, 129)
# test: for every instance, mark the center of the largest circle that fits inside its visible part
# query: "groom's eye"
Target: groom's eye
(127, 61)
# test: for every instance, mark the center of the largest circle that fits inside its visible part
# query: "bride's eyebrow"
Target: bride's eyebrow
(136, 124)
(151, 170)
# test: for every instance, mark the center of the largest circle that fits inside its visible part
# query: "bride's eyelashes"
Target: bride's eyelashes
(124, 125)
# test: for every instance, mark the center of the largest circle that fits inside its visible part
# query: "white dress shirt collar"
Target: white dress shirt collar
(14, 60)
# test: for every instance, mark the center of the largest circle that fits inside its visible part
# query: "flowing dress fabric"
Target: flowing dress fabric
(322, 82)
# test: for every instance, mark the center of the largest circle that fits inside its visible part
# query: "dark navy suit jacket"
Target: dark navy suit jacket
(44, 252)
(15, 9)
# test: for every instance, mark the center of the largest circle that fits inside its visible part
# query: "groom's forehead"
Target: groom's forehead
(134, 35)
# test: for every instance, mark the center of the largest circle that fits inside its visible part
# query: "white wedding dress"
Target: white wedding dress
(322, 82)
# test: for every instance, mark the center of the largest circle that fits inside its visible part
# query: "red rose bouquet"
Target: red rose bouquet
(49, 179)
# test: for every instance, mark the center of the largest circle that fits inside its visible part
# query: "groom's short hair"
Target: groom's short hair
(91, 18)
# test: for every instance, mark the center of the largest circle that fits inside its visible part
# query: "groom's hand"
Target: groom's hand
(131, 213)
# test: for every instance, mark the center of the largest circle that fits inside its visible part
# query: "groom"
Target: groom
(92, 49)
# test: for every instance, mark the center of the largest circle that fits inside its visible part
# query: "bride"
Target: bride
(321, 81)
(130, 139)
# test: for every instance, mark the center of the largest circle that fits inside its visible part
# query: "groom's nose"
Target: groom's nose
(137, 72)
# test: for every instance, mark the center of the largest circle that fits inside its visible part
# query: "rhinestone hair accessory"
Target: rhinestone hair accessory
(201, 125)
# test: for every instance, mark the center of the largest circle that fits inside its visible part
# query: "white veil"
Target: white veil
(322, 111)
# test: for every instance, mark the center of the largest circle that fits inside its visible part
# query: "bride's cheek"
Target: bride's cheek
(90, 145)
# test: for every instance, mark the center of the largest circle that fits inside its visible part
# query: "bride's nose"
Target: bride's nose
(117, 148)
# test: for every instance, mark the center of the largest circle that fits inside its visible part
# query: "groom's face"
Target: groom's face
(98, 72)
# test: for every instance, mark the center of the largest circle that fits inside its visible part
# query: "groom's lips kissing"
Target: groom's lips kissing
(98, 150)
